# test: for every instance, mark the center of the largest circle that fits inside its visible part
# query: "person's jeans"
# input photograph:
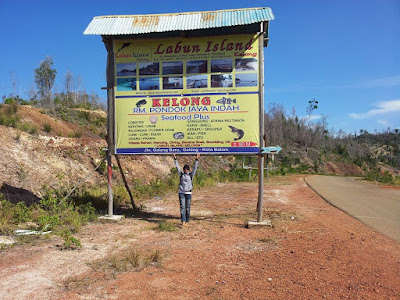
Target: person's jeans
(185, 201)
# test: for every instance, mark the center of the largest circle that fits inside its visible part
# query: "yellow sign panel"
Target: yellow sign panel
(182, 95)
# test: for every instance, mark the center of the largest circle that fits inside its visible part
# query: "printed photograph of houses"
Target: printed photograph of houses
(126, 84)
(173, 67)
(223, 80)
(126, 69)
(246, 64)
(149, 68)
(149, 83)
(196, 66)
(221, 65)
(196, 81)
(173, 82)
(245, 79)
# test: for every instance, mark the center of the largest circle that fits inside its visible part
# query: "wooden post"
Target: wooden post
(125, 182)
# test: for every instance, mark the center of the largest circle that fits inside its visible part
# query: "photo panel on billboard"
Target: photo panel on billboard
(187, 95)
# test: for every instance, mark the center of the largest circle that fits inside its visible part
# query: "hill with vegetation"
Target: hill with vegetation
(53, 144)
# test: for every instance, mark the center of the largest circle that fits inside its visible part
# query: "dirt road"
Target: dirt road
(373, 205)
(313, 251)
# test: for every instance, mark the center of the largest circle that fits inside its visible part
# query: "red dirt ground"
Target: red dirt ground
(313, 251)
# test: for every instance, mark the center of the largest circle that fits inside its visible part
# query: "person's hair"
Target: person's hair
(186, 167)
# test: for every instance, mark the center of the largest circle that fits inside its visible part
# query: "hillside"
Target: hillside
(57, 159)
(58, 149)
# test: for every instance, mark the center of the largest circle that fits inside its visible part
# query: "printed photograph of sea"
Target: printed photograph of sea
(149, 68)
(173, 82)
(245, 79)
(126, 84)
(196, 81)
(246, 64)
(196, 66)
(173, 67)
(149, 83)
(126, 69)
(222, 80)
(221, 65)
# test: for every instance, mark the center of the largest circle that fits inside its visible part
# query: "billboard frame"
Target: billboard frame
(262, 34)
(111, 93)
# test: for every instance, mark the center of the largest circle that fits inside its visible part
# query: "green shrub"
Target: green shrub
(376, 175)
(77, 134)
(21, 213)
(33, 129)
(12, 108)
(25, 127)
(47, 127)
(9, 101)
(6, 211)
(48, 221)
(70, 242)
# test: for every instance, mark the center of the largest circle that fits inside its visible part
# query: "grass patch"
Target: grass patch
(79, 282)
(166, 226)
(127, 261)
(62, 217)
(47, 127)
(9, 116)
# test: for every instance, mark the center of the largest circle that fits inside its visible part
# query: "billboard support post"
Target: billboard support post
(125, 182)
(262, 137)
(109, 179)
(110, 121)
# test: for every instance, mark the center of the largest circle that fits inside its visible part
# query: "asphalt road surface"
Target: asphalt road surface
(375, 206)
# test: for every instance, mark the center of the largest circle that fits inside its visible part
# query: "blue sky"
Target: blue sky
(343, 53)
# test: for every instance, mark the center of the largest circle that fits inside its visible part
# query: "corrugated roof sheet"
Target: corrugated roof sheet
(139, 24)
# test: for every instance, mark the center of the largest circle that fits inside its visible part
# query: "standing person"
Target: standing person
(185, 188)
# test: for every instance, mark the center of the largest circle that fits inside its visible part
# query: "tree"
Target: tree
(69, 86)
(13, 79)
(44, 79)
(312, 105)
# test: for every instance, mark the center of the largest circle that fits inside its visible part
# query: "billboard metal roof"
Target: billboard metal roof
(141, 24)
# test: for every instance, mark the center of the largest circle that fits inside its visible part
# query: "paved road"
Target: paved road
(375, 206)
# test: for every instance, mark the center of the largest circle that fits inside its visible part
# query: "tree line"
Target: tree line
(361, 148)
(73, 93)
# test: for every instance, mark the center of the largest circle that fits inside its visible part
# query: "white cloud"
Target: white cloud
(311, 118)
(315, 117)
(383, 122)
(382, 108)
(382, 82)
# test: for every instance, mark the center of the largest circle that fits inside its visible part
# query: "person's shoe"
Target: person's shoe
(183, 224)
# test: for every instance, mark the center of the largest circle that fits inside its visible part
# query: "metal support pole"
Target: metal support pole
(249, 168)
(261, 107)
(260, 187)
(110, 193)
(110, 118)
(267, 168)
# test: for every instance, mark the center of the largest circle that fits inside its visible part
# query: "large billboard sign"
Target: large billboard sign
(187, 95)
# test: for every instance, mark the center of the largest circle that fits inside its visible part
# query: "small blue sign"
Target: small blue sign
(271, 149)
